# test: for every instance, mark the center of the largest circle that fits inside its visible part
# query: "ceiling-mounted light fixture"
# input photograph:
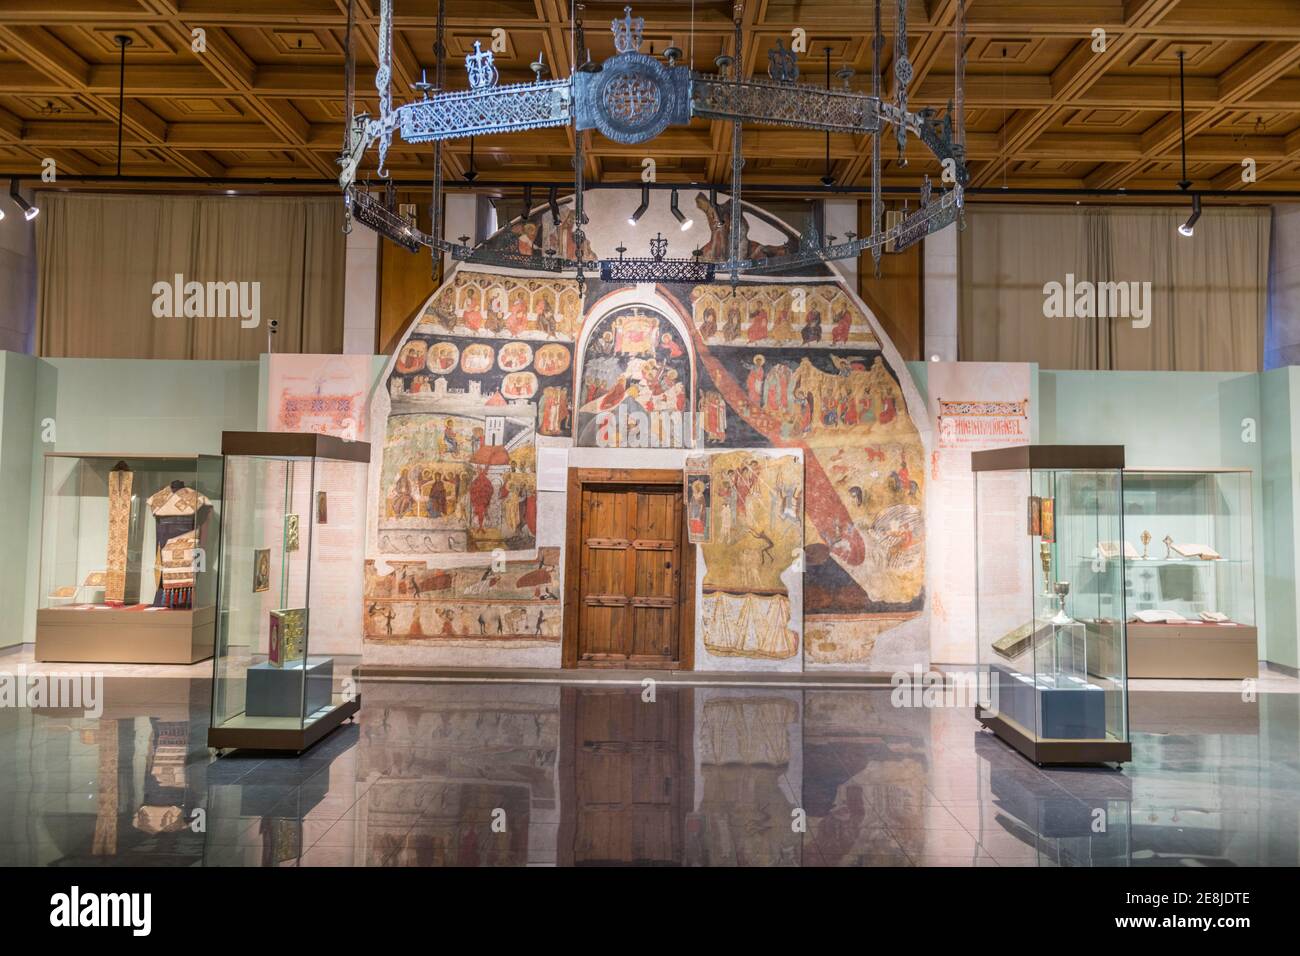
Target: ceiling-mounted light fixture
(1188, 228)
(637, 213)
(685, 220)
(30, 212)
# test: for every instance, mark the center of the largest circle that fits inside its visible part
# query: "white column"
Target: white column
(841, 218)
(460, 220)
(360, 290)
(941, 295)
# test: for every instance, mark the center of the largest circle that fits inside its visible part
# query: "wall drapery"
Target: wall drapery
(101, 255)
(1207, 295)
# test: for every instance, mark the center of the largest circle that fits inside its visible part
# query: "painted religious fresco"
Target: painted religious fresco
(509, 603)
(779, 316)
(835, 397)
(495, 306)
(786, 368)
(750, 531)
(540, 234)
(636, 383)
(459, 482)
(492, 340)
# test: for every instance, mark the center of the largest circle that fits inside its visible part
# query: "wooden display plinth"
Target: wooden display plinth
(1193, 650)
(124, 636)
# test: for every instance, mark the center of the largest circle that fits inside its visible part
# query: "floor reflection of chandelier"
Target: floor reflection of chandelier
(631, 98)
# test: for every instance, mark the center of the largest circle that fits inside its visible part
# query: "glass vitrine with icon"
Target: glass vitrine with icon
(1050, 607)
(284, 589)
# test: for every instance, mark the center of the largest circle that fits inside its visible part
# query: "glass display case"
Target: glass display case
(128, 554)
(288, 567)
(1050, 601)
(1190, 573)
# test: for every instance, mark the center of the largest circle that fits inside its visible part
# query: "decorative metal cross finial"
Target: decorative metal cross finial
(782, 64)
(482, 71)
(627, 32)
(658, 247)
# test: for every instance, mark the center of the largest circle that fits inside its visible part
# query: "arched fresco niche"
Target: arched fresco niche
(636, 384)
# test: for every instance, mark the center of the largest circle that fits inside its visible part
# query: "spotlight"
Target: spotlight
(30, 212)
(1188, 228)
(640, 210)
(681, 217)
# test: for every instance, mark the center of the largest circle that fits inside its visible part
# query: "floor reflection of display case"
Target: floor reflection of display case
(127, 571)
(287, 525)
(1050, 601)
(1190, 574)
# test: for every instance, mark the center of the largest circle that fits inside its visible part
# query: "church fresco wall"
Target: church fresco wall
(789, 369)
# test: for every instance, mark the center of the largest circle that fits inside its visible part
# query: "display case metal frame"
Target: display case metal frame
(1196, 650)
(238, 734)
(112, 635)
(1040, 749)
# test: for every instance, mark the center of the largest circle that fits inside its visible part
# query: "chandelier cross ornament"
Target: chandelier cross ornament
(482, 71)
(782, 64)
(628, 32)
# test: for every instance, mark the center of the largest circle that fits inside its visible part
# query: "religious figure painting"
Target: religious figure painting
(864, 462)
(459, 482)
(514, 603)
(753, 536)
(636, 383)
(495, 306)
(775, 316)
(469, 372)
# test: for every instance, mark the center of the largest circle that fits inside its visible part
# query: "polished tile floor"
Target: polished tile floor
(504, 774)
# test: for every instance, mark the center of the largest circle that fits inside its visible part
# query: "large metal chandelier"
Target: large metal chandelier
(632, 98)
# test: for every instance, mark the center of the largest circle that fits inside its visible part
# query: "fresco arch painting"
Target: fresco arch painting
(636, 385)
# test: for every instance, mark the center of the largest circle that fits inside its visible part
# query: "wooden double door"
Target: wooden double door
(631, 606)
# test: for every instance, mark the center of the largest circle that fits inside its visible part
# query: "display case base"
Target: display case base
(123, 635)
(1193, 650)
(279, 733)
(1054, 751)
(278, 691)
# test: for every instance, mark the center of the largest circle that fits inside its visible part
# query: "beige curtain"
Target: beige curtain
(1208, 295)
(100, 256)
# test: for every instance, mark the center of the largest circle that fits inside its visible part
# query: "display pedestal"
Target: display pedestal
(1070, 712)
(277, 691)
(104, 635)
(1193, 650)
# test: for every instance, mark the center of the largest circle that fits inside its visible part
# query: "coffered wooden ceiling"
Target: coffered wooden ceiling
(265, 99)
